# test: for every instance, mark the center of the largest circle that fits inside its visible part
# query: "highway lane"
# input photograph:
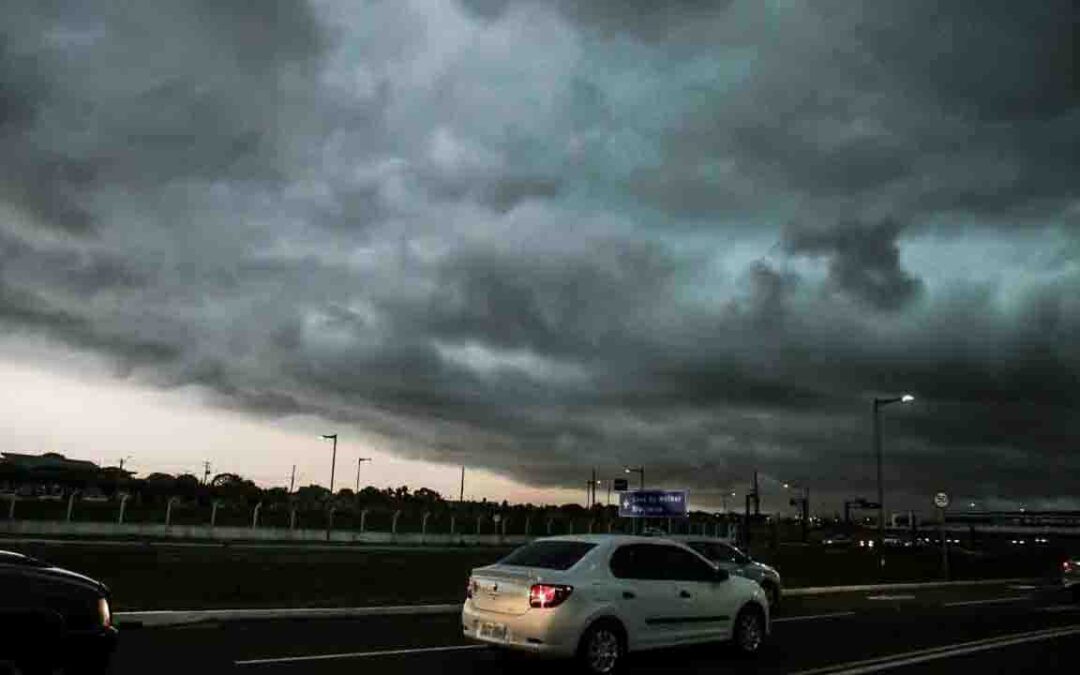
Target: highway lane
(811, 633)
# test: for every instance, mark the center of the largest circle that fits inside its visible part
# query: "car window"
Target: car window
(633, 562)
(659, 562)
(549, 555)
(678, 564)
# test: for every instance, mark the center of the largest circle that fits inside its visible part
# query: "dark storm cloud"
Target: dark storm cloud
(91, 97)
(503, 237)
(864, 261)
(933, 106)
(642, 19)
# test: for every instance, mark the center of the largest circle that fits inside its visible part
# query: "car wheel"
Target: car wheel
(749, 633)
(602, 648)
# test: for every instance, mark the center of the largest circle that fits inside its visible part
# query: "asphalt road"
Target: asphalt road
(987, 629)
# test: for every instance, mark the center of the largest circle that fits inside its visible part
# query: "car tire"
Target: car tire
(602, 649)
(748, 635)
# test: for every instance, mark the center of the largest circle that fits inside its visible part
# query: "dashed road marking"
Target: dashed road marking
(991, 601)
(357, 655)
(811, 617)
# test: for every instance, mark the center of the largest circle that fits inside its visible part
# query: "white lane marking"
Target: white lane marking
(943, 652)
(870, 588)
(358, 655)
(890, 597)
(811, 617)
(1060, 608)
(1022, 587)
(991, 601)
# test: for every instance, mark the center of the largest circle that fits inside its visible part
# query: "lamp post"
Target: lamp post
(333, 460)
(880, 403)
(804, 504)
(330, 497)
(640, 471)
(359, 461)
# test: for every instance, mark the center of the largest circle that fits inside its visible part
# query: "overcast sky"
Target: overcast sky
(540, 236)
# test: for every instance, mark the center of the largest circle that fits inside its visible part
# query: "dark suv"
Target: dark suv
(52, 618)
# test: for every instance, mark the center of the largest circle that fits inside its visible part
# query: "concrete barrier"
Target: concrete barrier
(263, 534)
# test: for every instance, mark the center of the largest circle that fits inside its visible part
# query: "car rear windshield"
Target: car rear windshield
(549, 555)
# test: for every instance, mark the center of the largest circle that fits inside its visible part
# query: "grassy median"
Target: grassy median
(164, 576)
(160, 576)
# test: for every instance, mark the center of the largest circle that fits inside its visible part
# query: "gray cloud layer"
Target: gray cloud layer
(547, 236)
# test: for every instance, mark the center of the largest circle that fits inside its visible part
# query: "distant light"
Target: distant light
(971, 505)
(907, 398)
(786, 486)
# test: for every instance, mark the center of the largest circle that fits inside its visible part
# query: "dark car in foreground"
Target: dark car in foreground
(53, 619)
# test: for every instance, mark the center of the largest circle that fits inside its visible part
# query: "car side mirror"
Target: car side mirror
(721, 575)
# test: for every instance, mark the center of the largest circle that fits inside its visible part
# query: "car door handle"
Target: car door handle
(684, 594)
(628, 595)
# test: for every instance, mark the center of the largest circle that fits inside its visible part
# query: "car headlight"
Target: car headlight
(104, 614)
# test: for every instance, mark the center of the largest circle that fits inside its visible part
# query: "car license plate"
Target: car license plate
(493, 631)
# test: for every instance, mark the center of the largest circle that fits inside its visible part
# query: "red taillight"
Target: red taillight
(470, 588)
(548, 595)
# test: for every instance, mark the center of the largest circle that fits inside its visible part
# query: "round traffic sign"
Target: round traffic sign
(497, 517)
(941, 500)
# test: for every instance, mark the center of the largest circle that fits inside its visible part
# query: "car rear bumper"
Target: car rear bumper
(535, 633)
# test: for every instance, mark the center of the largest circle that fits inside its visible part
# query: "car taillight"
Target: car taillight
(470, 588)
(548, 595)
(104, 614)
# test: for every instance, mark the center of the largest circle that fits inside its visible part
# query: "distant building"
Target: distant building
(54, 475)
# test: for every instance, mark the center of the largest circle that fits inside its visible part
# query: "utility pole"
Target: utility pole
(461, 496)
(359, 461)
(205, 476)
(333, 461)
(757, 496)
(592, 502)
(292, 479)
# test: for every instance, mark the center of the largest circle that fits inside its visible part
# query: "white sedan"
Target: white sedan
(598, 598)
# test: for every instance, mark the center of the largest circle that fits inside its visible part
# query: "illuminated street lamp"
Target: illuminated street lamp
(804, 503)
(640, 470)
(880, 403)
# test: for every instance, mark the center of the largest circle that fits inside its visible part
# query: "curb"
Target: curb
(154, 618)
(162, 618)
(828, 590)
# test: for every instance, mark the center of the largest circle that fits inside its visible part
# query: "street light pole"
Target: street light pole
(880, 403)
(359, 461)
(640, 471)
(333, 461)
